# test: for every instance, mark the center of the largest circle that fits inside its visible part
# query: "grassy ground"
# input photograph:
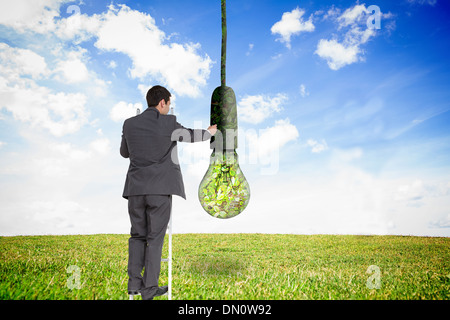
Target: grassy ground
(232, 266)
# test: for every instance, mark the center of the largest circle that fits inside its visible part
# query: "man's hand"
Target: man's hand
(212, 129)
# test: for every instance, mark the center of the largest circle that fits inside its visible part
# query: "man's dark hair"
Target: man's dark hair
(156, 94)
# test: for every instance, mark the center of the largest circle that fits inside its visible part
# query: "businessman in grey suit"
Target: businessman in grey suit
(149, 140)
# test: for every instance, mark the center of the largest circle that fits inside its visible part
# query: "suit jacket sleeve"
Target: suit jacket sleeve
(182, 134)
(123, 147)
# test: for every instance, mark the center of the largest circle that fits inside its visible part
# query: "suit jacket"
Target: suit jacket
(150, 141)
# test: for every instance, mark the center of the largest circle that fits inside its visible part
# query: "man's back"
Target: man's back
(154, 168)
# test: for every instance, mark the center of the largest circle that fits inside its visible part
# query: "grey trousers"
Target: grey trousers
(149, 216)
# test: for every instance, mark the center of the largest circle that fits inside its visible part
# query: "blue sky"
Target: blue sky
(343, 126)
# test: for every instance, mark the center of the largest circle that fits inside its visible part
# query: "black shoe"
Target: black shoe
(134, 292)
(159, 292)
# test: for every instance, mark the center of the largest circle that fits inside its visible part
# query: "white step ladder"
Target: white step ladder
(169, 258)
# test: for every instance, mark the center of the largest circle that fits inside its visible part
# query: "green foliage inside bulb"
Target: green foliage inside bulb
(224, 192)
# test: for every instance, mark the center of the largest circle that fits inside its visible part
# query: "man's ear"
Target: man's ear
(159, 105)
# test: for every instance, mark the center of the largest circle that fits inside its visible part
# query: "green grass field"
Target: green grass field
(232, 266)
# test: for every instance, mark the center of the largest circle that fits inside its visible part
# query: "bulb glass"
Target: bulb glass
(224, 192)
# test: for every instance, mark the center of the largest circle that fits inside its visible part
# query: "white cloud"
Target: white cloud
(352, 15)
(41, 16)
(143, 89)
(316, 146)
(56, 213)
(61, 157)
(345, 156)
(415, 193)
(341, 53)
(100, 88)
(178, 66)
(271, 139)
(122, 111)
(136, 35)
(77, 27)
(194, 157)
(333, 12)
(255, 109)
(17, 62)
(263, 148)
(101, 146)
(348, 201)
(73, 69)
(441, 223)
(250, 48)
(80, 179)
(411, 192)
(337, 55)
(61, 113)
(292, 23)
(69, 112)
(112, 64)
(303, 91)
(23, 16)
(21, 72)
(341, 199)
(260, 148)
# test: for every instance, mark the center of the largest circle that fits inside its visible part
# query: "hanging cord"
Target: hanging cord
(224, 44)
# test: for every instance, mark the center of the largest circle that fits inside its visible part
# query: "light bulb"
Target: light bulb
(224, 191)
